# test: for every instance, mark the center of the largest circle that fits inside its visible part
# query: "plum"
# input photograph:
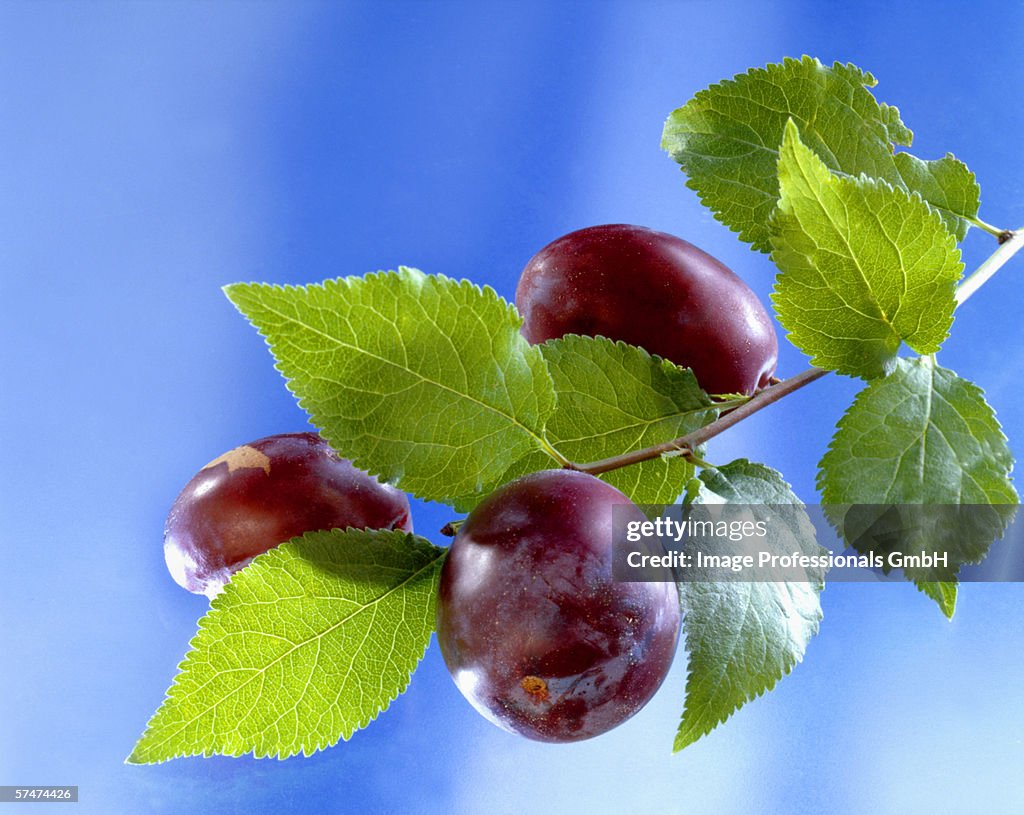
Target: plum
(654, 290)
(534, 630)
(260, 494)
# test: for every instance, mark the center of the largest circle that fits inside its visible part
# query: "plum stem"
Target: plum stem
(451, 529)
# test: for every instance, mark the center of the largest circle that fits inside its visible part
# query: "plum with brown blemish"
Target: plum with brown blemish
(260, 494)
(534, 630)
(655, 290)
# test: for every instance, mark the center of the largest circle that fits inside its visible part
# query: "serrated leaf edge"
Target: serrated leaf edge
(687, 731)
(306, 748)
(623, 348)
(419, 278)
(889, 118)
(820, 477)
(868, 81)
(872, 183)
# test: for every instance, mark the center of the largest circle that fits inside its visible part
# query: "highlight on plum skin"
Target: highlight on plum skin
(534, 630)
(654, 290)
(263, 493)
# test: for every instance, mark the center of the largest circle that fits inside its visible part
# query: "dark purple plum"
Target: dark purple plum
(256, 496)
(534, 630)
(654, 290)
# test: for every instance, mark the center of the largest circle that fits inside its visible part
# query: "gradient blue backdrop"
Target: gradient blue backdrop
(151, 152)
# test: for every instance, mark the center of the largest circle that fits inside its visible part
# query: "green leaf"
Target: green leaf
(742, 637)
(942, 592)
(419, 379)
(727, 140)
(946, 184)
(921, 436)
(863, 265)
(614, 398)
(305, 646)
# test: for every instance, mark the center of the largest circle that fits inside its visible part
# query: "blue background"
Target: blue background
(150, 153)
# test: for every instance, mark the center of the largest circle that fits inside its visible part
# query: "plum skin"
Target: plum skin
(260, 494)
(654, 290)
(534, 630)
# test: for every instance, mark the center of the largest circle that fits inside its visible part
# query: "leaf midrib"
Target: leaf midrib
(261, 671)
(422, 378)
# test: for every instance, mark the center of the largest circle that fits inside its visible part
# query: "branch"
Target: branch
(685, 445)
(1009, 244)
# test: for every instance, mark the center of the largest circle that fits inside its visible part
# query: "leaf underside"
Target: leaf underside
(421, 380)
(864, 266)
(614, 398)
(306, 645)
(727, 141)
(742, 637)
